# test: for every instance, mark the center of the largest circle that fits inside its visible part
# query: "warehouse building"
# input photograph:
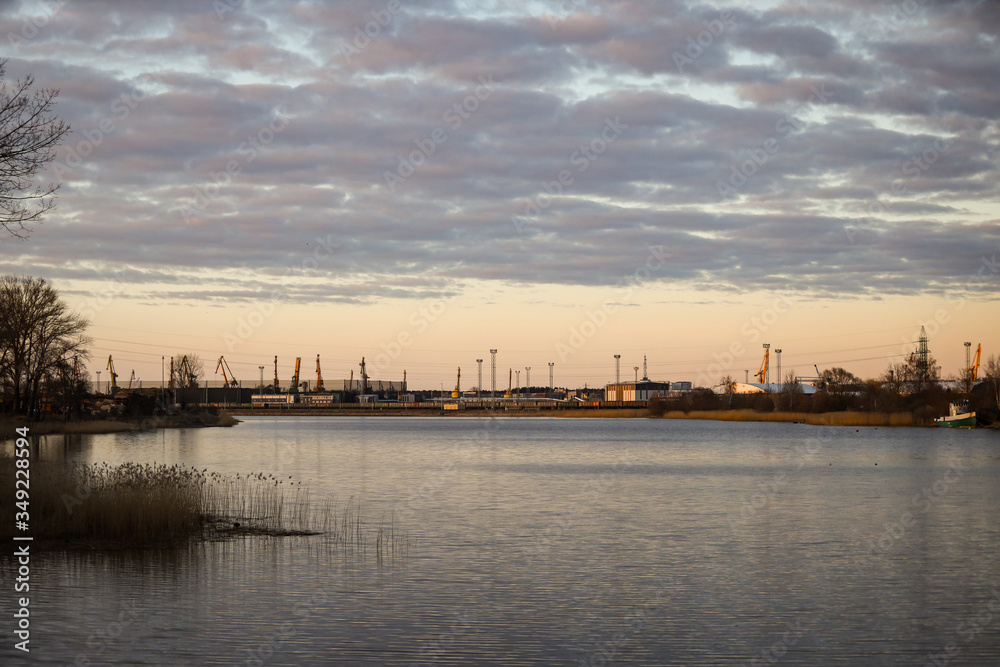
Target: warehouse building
(642, 390)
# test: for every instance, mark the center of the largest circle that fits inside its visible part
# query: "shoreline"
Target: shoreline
(101, 426)
(856, 419)
(229, 418)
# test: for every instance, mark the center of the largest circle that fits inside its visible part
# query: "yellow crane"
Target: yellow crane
(319, 376)
(762, 373)
(458, 384)
(295, 378)
(229, 379)
(114, 376)
(974, 368)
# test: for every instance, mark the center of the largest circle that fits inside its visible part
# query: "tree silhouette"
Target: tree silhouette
(29, 135)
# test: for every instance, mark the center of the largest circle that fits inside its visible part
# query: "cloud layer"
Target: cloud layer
(361, 150)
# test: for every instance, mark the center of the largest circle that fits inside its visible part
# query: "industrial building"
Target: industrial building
(643, 390)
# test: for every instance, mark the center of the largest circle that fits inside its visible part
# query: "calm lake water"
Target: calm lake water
(556, 542)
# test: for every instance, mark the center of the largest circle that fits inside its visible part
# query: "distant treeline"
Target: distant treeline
(926, 404)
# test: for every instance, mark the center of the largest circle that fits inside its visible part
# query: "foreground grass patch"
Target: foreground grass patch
(135, 505)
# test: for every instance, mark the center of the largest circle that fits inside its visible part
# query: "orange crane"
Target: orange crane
(229, 379)
(319, 376)
(974, 368)
(763, 366)
(295, 378)
(458, 382)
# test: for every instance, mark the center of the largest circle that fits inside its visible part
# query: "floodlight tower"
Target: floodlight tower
(777, 353)
(618, 374)
(527, 380)
(479, 387)
(493, 373)
(551, 388)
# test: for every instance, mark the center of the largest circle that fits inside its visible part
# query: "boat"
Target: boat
(958, 416)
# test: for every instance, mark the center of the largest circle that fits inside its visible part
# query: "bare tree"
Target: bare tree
(29, 135)
(991, 371)
(729, 387)
(838, 381)
(188, 369)
(790, 391)
(38, 339)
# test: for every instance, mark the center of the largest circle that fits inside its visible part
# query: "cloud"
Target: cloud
(229, 145)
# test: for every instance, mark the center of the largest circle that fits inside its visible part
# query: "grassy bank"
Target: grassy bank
(132, 505)
(823, 419)
(606, 413)
(200, 420)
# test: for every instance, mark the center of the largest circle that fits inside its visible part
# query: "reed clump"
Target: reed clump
(136, 505)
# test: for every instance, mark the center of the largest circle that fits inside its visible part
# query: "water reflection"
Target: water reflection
(557, 542)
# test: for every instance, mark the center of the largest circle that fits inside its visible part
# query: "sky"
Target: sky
(420, 181)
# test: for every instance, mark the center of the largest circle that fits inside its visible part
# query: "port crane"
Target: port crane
(458, 384)
(295, 378)
(114, 376)
(973, 370)
(319, 376)
(229, 379)
(188, 378)
(762, 373)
